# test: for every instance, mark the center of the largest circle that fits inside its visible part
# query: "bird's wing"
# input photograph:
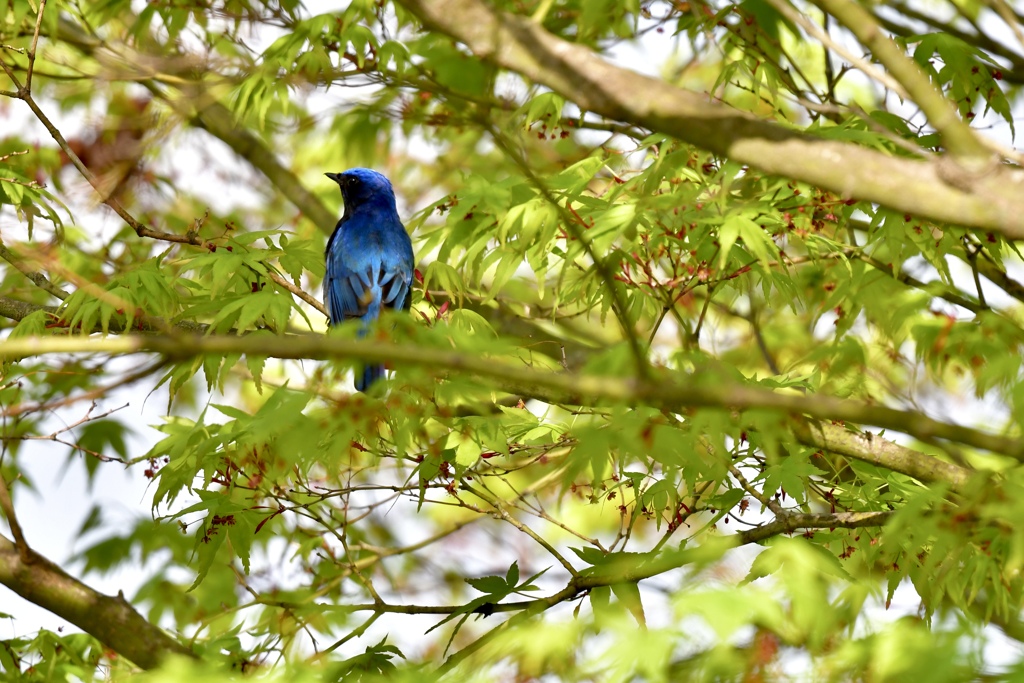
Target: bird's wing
(357, 284)
(395, 284)
(343, 290)
(369, 265)
(399, 269)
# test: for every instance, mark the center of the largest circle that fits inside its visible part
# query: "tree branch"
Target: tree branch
(695, 390)
(112, 620)
(791, 522)
(633, 567)
(199, 107)
(7, 507)
(992, 271)
(1014, 75)
(936, 188)
(37, 278)
(14, 309)
(32, 49)
(958, 137)
(786, 9)
(876, 450)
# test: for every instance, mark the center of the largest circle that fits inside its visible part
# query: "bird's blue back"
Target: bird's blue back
(369, 257)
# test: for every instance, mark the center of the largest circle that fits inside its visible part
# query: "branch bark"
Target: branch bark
(937, 188)
(14, 309)
(665, 392)
(108, 618)
(958, 137)
(876, 450)
(633, 567)
(37, 278)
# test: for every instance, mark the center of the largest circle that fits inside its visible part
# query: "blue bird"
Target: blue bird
(369, 257)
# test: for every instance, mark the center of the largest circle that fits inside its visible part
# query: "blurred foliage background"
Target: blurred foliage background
(712, 373)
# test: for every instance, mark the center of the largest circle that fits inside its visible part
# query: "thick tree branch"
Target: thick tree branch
(872, 449)
(664, 391)
(536, 336)
(938, 188)
(876, 450)
(110, 619)
(956, 134)
(19, 310)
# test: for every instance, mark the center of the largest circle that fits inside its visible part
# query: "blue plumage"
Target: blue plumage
(369, 257)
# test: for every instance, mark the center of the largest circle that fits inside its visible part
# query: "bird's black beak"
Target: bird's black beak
(336, 177)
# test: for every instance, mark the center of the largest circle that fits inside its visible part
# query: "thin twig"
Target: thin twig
(867, 68)
(766, 501)
(7, 507)
(18, 153)
(88, 417)
(501, 512)
(354, 633)
(571, 224)
(37, 278)
(959, 138)
(32, 50)
(281, 282)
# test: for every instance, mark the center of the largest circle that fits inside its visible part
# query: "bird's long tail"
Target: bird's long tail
(367, 376)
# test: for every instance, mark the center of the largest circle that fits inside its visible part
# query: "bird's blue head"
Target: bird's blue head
(361, 186)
